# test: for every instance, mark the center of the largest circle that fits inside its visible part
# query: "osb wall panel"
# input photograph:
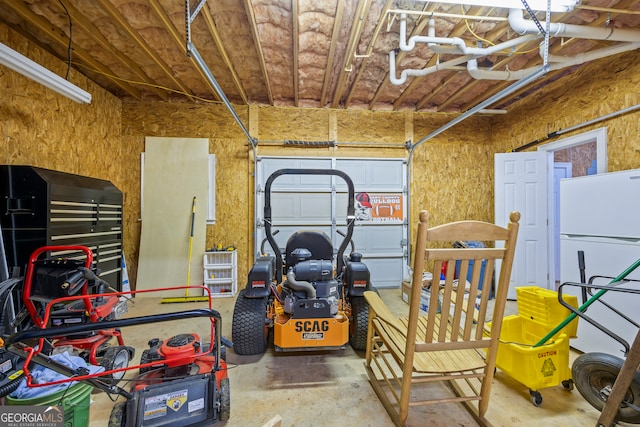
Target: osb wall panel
(443, 168)
(452, 173)
(364, 126)
(277, 124)
(591, 92)
(233, 186)
(39, 127)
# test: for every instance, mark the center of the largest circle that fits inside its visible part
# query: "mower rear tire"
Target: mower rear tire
(225, 400)
(118, 417)
(359, 323)
(249, 329)
(115, 358)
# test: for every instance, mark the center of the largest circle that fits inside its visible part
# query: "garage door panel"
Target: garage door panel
(296, 181)
(297, 207)
(383, 175)
(378, 240)
(284, 232)
(385, 272)
(318, 202)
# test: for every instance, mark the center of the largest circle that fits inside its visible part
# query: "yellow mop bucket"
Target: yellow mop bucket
(520, 354)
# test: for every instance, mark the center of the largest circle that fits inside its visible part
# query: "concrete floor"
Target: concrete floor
(331, 388)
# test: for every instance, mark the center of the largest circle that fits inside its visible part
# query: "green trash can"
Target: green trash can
(75, 401)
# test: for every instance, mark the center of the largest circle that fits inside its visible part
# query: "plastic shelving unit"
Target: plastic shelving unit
(220, 273)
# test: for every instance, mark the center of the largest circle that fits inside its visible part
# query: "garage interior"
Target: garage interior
(203, 99)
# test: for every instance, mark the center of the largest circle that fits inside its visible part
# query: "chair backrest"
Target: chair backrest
(463, 294)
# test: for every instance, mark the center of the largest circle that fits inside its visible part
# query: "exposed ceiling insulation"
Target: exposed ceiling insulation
(320, 53)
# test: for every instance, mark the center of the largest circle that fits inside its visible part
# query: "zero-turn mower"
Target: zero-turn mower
(319, 303)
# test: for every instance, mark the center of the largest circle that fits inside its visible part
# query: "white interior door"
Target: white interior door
(521, 184)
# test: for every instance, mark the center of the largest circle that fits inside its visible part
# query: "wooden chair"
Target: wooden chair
(450, 342)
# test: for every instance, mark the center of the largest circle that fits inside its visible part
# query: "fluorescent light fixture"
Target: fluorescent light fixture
(556, 5)
(23, 65)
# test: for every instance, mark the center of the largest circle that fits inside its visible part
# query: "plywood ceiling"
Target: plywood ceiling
(299, 53)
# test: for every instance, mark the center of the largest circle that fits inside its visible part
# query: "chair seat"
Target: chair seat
(431, 361)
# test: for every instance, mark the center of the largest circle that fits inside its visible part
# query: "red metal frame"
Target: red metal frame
(202, 359)
(28, 280)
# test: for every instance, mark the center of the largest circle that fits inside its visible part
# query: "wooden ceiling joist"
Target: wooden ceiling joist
(251, 16)
(180, 42)
(91, 31)
(115, 14)
(45, 26)
(354, 38)
(337, 22)
(213, 30)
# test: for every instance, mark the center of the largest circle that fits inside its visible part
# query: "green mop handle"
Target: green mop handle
(584, 306)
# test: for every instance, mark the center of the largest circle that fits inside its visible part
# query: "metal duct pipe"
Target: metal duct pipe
(192, 51)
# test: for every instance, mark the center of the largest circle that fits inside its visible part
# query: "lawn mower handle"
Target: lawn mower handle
(117, 323)
(350, 212)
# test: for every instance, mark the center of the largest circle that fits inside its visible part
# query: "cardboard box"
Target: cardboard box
(406, 290)
(406, 286)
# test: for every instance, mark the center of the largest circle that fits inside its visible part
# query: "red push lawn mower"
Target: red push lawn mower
(79, 299)
(180, 381)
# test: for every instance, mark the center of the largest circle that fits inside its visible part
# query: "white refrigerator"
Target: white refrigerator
(600, 215)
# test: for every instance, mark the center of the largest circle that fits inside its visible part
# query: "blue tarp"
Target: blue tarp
(41, 375)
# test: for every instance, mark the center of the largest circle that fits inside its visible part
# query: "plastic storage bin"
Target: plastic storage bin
(75, 402)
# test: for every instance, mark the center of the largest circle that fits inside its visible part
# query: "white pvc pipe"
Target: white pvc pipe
(455, 44)
(556, 62)
(593, 54)
(448, 65)
(556, 29)
(409, 45)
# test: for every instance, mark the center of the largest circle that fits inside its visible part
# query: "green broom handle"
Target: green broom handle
(584, 306)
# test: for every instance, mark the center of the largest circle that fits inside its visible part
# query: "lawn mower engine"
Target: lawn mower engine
(310, 280)
(177, 356)
(56, 278)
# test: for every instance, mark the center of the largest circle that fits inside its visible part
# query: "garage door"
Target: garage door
(319, 202)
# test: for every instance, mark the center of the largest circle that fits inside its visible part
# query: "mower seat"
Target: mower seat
(317, 242)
